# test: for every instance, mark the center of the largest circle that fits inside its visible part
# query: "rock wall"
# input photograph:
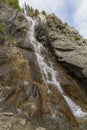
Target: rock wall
(67, 45)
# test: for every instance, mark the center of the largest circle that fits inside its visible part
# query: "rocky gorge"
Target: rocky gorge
(43, 73)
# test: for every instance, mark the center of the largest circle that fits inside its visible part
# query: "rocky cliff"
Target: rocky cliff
(26, 101)
(67, 45)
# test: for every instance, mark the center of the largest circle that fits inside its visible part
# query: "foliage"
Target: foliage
(30, 11)
(14, 4)
(1, 0)
(77, 38)
(43, 12)
(2, 28)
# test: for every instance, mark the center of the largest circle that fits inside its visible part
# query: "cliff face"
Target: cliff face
(67, 45)
(25, 102)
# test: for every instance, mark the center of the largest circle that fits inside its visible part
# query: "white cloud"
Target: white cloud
(80, 18)
(48, 5)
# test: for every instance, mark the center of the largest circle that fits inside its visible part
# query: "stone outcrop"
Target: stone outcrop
(67, 45)
(24, 99)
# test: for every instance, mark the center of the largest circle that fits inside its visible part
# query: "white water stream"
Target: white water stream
(48, 73)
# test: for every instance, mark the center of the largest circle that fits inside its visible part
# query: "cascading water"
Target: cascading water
(76, 110)
(48, 73)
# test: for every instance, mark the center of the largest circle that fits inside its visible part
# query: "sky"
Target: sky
(74, 12)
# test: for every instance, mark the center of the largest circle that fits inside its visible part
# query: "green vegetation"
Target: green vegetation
(14, 4)
(10, 39)
(2, 28)
(1, 0)
(30, 11)
(77, 38)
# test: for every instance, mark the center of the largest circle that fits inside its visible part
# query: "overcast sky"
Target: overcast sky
(74, 12)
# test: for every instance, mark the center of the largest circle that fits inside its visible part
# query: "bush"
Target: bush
(2, 28)
(77, 38)
(14, 4)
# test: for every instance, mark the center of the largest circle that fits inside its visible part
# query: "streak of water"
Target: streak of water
(48, 73)
(76, 110)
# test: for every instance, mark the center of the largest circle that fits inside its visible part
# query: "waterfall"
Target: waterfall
(48, 73)
(76, 109)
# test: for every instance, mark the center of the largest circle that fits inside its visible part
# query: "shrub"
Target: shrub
(2, 28)
(77, 38)
(14, 4)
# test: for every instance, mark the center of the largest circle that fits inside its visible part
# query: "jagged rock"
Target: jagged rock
(68, 50)
(67, 45)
